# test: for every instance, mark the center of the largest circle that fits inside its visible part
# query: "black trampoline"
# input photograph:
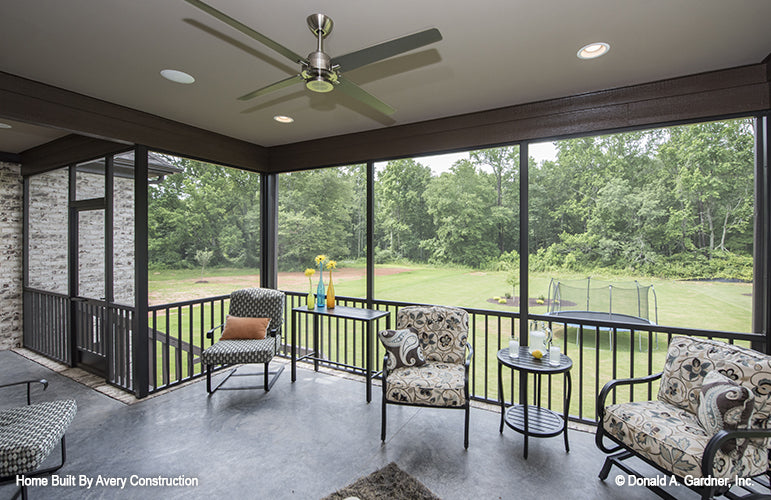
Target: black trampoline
(597, 300)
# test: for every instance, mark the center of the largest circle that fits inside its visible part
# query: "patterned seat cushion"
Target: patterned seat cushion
(443, 331)
(673, 438)
(433, 384)
(29, 433)
(230, 352)
(690, 359)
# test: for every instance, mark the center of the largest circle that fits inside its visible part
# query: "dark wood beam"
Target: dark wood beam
(36, 103)
(730, 92)
(10, 157)
(66, 150)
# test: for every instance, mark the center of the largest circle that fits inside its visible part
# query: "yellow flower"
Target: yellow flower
(310, 272)
(320, 258)
(332, 264)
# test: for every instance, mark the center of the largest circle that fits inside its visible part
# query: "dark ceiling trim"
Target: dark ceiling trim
(729, 92)
(9, 157)
(66, 150)
(36, 103)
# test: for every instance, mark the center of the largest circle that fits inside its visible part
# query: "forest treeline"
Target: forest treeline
(673, 202)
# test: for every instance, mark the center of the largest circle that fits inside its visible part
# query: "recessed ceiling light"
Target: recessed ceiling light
(283, 119)
(593, 50)
(4, 125)
(177, 76)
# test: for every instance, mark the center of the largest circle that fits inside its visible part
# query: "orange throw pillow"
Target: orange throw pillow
(245, 328)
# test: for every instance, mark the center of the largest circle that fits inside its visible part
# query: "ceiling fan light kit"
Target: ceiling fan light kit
(319, 71)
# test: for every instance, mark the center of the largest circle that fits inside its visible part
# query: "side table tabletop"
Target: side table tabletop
(534, 420)
(367, 316)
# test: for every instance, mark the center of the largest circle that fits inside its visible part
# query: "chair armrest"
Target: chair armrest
(272, 332)
(714, 444)
(29, 383)
(470, 355)
(615, 383)
(385, 367)
(210, 333)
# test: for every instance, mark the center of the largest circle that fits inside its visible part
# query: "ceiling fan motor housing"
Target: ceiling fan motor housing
(319, 75)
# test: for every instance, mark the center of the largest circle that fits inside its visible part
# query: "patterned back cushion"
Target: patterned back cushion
(258, 303)
(725, 405)
(443, 331)
(689, 360)
(403, 348)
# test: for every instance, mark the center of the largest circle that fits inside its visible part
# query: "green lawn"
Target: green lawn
(707, 305)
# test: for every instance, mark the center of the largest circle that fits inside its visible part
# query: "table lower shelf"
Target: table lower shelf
(541, 422)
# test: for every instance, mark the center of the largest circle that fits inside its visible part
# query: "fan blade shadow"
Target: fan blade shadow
(246, 30)
(353, 90)
(286, 82)
(242, 46)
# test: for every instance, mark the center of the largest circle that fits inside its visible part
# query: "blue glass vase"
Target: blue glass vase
(321, 296)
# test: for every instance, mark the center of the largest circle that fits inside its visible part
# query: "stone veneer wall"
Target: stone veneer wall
(11, 240)
(48, 216)
(48, 235)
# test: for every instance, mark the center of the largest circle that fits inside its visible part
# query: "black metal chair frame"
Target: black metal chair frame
(466, 406)
(269, 379)
(39, 472)
(621, 452)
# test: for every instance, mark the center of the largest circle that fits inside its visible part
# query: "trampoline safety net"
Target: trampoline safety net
(613, 298)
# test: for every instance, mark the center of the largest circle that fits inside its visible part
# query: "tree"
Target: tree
(402, 215)
(504, 163)
(460, 203)
(203, 257)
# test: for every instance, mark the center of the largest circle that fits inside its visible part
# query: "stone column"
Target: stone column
(11, 194)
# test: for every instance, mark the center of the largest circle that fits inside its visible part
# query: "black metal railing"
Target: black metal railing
(99, 330)
(46, 324)
(601, 350)
(178, 337)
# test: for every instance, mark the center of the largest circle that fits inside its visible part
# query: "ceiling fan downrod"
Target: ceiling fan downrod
(319, 74)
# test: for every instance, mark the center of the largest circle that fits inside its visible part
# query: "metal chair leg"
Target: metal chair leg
(465, 439)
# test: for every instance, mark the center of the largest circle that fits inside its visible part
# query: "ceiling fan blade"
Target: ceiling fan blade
(273, 86)
(246, 30)
(362, 95)
(384, 50)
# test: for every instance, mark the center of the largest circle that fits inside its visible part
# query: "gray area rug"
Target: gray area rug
(388, 483)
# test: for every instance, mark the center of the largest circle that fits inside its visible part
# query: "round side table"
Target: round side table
(534, 420)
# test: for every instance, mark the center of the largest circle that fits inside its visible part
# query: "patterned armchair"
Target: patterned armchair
(29, 433)
(248, 303)
(427, 360)
(711, 418)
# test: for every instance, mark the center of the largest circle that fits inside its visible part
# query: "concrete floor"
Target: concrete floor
(302, 440)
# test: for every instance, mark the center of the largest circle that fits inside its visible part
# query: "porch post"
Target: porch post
(140, 343)
(370, 233)
(761, 296)
(524, 242)
(269, 230)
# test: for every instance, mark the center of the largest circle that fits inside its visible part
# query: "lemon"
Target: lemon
(537, 354)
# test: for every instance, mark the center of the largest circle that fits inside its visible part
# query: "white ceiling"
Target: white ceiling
(494, 53)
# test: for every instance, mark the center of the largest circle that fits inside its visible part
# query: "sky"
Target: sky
(441, 163)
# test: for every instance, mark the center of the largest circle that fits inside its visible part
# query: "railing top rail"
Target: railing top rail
(752, 337)
(46, 292)
(191, 302)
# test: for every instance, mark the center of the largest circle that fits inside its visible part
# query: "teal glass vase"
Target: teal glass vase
(321, 296)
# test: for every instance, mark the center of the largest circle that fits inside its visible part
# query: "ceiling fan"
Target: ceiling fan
(319, 71)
